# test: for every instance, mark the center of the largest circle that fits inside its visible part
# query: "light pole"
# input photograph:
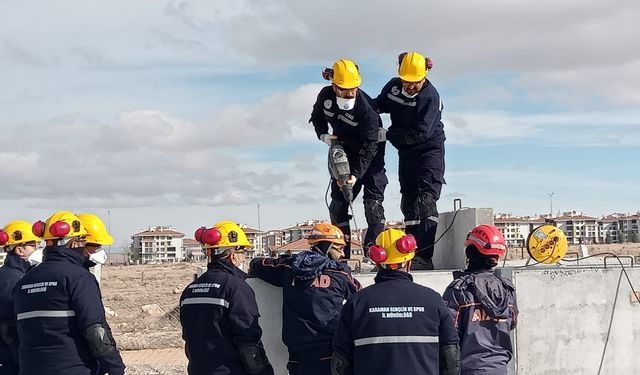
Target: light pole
(258, 216)
(550, 204)
(109, 229)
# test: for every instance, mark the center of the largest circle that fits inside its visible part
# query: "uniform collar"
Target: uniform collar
(459, 274)
(63, 254)
(389, 275)
(225, 265)
(14, 261)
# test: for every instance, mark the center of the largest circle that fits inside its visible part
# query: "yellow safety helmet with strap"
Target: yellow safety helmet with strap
(17, 232)
(345, 74)
(413, 67)
(98, 233)
(325, 232)
(393, 247)
(223, 234)
(62, 224)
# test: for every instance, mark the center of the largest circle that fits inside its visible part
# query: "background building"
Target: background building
(157, 244)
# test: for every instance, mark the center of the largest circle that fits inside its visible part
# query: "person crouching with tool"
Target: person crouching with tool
(358, 129)
(484, 305)
(315, 286)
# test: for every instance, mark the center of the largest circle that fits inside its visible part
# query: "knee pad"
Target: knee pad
(427, 207)
(408, 206)
(374, 212)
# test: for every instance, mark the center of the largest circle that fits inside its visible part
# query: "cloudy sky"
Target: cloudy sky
(185, 113)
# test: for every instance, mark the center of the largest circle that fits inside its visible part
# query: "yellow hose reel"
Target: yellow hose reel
(547, 244)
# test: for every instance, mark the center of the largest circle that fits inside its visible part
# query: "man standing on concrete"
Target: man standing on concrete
(484, 305)
(356, 126)
(315, 286)
(60, 316)
(418, 133)
(218, 311)
(21, 246)
(395, 326)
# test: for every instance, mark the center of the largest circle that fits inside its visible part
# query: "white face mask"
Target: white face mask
(99, 257)
(345, 104)
(35, 258)
(408, 95)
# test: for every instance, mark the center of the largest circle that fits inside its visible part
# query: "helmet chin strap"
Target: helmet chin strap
(322, 247)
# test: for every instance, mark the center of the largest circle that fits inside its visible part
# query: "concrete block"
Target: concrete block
(449, 251)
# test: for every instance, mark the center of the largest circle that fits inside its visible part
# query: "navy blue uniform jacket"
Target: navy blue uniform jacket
(485, 311)
(12, 271)
(55, 303)
(394, 327)
(314, 291)
(219, 314)
(357, 129)
(415, 122)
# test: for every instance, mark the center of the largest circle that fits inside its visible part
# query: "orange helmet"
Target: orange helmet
(325, 232)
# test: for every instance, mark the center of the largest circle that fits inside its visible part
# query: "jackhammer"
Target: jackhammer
(339, 170)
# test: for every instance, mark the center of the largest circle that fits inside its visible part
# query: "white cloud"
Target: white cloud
(549, 129)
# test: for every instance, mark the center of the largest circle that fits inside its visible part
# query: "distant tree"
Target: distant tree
(607, 238)
(622, 236)
(633, 236)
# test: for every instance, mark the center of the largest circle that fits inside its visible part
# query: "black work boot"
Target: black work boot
(421, 264)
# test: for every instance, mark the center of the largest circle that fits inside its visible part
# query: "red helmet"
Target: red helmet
(487, 239)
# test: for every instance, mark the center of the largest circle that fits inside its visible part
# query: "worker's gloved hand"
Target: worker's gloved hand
(351, 181)
(326, 138)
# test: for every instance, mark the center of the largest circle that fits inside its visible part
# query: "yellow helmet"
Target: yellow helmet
(325, 232)
(413, 67)
(393, 246)
(222, 234)
(547, 244)
(17, 232)
(345, 74)
(98, 233)
(62, 224)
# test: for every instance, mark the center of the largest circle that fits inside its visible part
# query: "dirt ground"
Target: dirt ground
(150, 339)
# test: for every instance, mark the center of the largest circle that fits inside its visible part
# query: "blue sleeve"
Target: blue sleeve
(271, 270)
(343, 338)
(454, 300)
(514, 310)
(429, 112)
(318, 120)
(368, 129)
(243, 316)
(382, 101)
(447, 311)
(86, 302)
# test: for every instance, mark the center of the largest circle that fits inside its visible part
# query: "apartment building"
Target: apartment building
(272, 240)
(516, 229)
(157, 244)
(192, 250)
(618, 228)
(256, 238)
(579, 228)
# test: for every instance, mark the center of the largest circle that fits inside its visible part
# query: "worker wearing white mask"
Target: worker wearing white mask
(358, 128)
